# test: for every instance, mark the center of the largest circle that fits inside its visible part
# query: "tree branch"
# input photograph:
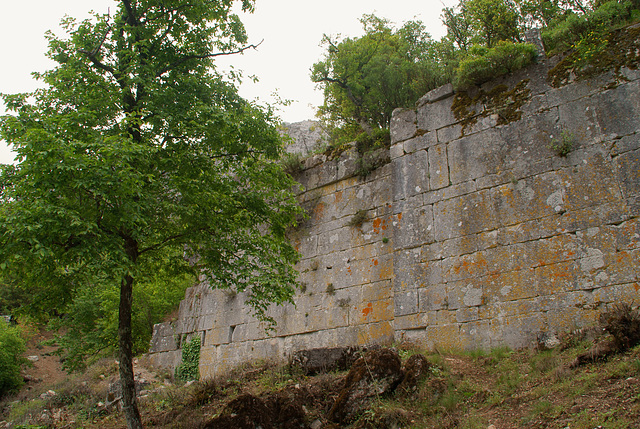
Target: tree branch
(161, 243)
(201, 57)
(131, 17)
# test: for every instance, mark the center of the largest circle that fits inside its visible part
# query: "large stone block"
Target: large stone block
(406, 302)
(432, 297)
(420, 142)
(413, 228)
(464, 215)
(403, 125)
(438, 167)
(163, 338)
(628, 173)
(410, 175)
(477, 155)
(437, 94)
(617, 112)
(411, 273)
(436, 115)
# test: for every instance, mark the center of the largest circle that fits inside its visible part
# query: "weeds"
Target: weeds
(292, 163)
(563, 145)
(358, 219)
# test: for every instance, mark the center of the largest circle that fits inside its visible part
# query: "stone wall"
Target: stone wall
(475, 234)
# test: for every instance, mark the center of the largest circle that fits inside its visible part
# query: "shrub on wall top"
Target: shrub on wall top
(483, 64)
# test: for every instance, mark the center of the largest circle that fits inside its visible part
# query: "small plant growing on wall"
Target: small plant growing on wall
(563, 145)
(344, 302)
(358, 219)
(303, 287)
(331, 289)
(187, 370)
(292, 163)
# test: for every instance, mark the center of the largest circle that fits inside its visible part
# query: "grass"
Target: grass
(513, 388)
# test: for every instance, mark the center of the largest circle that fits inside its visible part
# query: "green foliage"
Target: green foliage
(358, 219)
(563, 145)
(365, 78)
(138, 149)
(493, 20)
(585, 28)
(292, 163)
(90, 321)
(483, 64)
(187, 369)
(12, 345)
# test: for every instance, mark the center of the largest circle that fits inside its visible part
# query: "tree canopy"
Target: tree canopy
(365, 78)
(138, 150)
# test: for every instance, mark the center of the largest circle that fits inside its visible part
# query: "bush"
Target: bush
(12, 345)
(484, 64)
(623, 323)
(563, 35)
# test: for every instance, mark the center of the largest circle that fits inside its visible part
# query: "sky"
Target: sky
(290, 31)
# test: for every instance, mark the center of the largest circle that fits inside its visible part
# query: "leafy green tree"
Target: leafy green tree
(365, 78)
(138, 150)
(493, 20)
(90, 320)
(540, 12)
(459, 31)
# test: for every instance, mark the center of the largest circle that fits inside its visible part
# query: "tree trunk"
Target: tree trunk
(125, 340)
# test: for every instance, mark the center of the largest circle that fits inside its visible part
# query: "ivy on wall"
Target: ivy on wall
(187, 370)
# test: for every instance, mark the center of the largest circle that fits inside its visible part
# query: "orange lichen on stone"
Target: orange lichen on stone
(318, 211)
(379, 225)
(338, 196)
(367, 310)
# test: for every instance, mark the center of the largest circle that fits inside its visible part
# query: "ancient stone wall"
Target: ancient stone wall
(475, 234)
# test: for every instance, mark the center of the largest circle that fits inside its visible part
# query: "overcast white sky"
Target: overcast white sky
(291, 29)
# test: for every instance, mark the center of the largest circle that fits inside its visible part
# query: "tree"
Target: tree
(365, 78)
(139, 150)
(493, 20)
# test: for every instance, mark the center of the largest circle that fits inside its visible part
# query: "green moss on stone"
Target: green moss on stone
(623, 50)
(500, 100)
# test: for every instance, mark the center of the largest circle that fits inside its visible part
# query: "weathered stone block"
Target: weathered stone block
(403, 125)
(475, 335)
(435, 116)
(474, 156)
(617, 112)
(406, 302)
(420, 142)
(450, 133)
(628, 172)
(414, 228)
(163, 338)
(464, 215)
(438, 167)
(412, 274)
(432, 297)
(436, 94)
(625, 144)
(444, 337)
(410, 175)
